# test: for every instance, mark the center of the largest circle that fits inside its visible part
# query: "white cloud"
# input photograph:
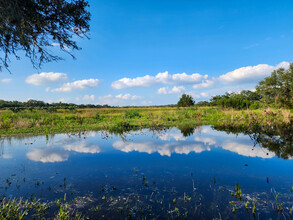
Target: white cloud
(204, 94)
(58, 45)
(160, 78)
(46, 78)
(88, 98)
(118, 99)
(175, 89)
(248, 73)
(127, 97)
(244, 75)
(204, 84)
(7, 80)
(146, 102)
(76, 85)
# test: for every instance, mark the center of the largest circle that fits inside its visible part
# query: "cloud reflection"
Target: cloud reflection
(165, 149)
(240, 145)
(51, 155)
(48, 155)
(246, 150)
(83, 148)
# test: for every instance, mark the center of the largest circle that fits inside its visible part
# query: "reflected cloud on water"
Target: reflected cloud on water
(240, 144)
(48, 155)
(61, 153)
(184, 140)
(163, 149)
(83, 148)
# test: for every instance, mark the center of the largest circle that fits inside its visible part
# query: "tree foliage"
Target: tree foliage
(35, 104)
(33, 26)
(185, 101)
(243, 100)
(277, 89)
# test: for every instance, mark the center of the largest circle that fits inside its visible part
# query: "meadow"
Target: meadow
(124, 119)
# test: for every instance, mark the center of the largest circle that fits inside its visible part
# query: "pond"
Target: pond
(200, 173)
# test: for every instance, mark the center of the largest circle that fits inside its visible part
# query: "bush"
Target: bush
(255, 105)
(132, 114)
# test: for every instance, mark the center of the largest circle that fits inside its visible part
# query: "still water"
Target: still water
(150, 174)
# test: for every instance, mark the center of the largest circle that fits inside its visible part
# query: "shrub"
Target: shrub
(132, 114)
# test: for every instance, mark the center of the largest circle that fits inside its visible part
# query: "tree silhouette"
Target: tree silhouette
(33, 26)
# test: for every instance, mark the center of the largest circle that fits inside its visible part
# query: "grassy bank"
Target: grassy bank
(120, 119)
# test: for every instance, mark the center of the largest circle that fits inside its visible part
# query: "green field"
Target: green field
(123, 119)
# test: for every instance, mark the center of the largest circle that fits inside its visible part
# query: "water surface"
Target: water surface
(152, 174)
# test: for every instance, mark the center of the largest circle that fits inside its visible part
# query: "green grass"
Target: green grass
(119, 119)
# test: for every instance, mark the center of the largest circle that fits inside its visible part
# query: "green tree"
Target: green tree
(33, 26)
(277, 89)
(185, 101)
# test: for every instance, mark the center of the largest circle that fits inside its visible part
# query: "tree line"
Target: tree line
(275, 90)
(31, 104)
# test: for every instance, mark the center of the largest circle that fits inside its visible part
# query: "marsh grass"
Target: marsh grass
(64, 120)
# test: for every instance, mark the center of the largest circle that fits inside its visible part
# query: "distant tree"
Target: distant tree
(185, 101)
(33, 26)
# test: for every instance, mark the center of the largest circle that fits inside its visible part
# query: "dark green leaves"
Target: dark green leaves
(33, 26)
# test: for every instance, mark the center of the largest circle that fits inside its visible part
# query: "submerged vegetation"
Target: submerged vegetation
(147, 201)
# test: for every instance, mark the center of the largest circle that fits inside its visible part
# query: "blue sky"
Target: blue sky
(150, 52)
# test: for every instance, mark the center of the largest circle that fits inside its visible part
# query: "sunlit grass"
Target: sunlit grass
(64, 120)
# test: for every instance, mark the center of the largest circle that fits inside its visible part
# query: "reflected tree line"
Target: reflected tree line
(276, 138)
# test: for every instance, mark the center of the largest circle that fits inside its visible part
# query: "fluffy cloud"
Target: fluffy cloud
(204, 94)
(127, 97)
(8, 80)
(160, 78)
(76, 85)
(204, 84)
(248, 73)
(88, 98)
(111, 99)
(46, 78)
(175, 89)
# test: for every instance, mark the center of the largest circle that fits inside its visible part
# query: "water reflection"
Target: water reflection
(83, 148)
(48, 155)
(61, 153)
(178, 144)
(163, 149)
(276, 138)
(198, 167)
